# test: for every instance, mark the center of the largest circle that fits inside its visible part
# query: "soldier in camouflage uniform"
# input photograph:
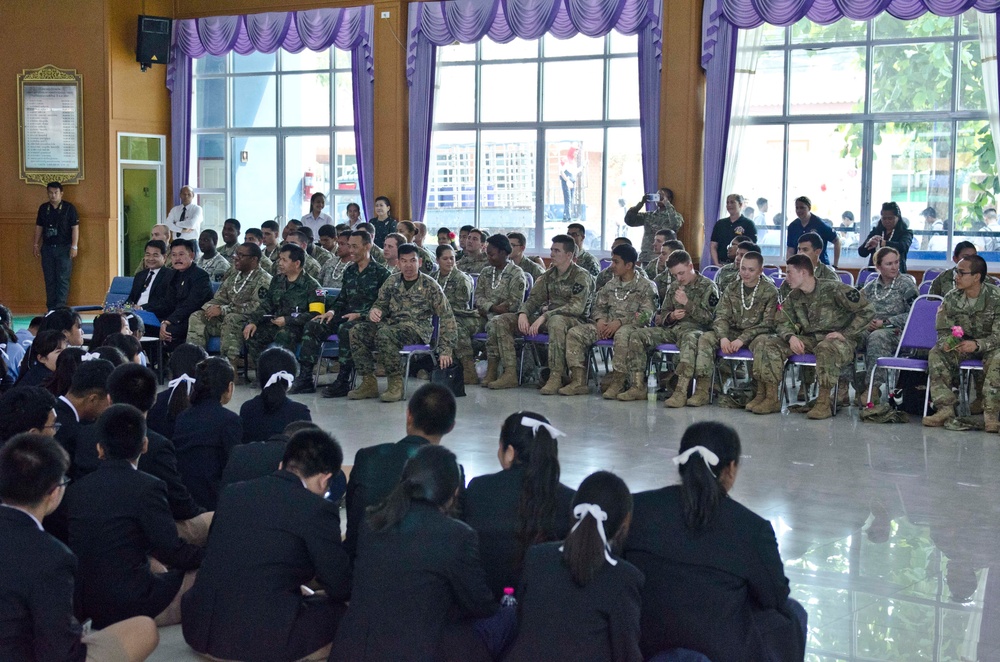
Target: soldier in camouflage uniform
(362, 280)
(583, 258)
(474, 260)
(499, 289)
(664, 217)
(623, 306)
(945, 281)
(229, 310)
(270, 243)
(255, 236)
(892, 294)
(606, 274)
(529, 265)
(729, 273)
(292, 299)
(557, 303)
(687, 312)
(820, 317)
(428, 260)
(974, 305)
(401, 316)
(311, 266)
(230, 239)
(663, 278)
(658, 264)
(332, 273)
(214, 264)
(458, 289)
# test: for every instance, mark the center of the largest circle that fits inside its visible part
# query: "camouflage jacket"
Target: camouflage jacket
(893, 303)
(417, 306)
(632, 302)
(473, 264)
(332, 273)
(831, 306)
(555, 294)
(228, 252)
(529, 266)
(654, 269)
(606, 275)
(663, 281)
(457, 288)
(979, 319)
(652, 222)
(733, 320)
(216, 266)
(944, 283)
(588, 262)
(726, 276)
(377, 255)
(311, 268)
(492, 291)
(238, 293)
(821, 272)
(703, 297)
(428, 263)
(321, 255)
(360, 289)
(298, 302)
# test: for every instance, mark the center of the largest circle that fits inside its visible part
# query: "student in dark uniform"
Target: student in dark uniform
(715, 583)
(27, 409)
(40, 362)
(268, 413)
(417, 577)
(86, 399)
(577, 599)
(207, 431)
(523, 505)
(177, 397)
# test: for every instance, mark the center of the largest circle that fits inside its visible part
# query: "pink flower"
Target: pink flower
(870, 405)
(957, 332)
(779, 306)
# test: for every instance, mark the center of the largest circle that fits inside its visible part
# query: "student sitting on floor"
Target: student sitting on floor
(125, 343)
(175, 399)
(40, 362)
(69, 360)
(268, 413)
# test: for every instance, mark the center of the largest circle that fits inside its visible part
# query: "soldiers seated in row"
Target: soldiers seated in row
(658, 264)
(428, 262)
(474, 259)
(458, 287)
(730, 272)
(499, 290)
(401, 316)
(256, 236)
(946, 281)
(230, 238)
(607, 273)
(210, 260)
(583, 258)
(663, 279)
(332, 273)
(529, 265)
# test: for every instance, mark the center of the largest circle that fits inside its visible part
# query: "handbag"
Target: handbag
(451, 378)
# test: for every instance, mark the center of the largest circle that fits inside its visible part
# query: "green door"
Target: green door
(139, 196)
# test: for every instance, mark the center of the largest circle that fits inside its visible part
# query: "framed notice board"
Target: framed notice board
(50, 125)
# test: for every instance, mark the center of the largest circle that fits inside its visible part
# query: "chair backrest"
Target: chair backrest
(529, 282)
(846, 277)
(772, 270)
(710, 271)
(920, 331)
(866, 275)
(121, 287)
(925, 287)
(216, 284)
(932, 273)
(778, 281)
(605, 263)
(436, 326)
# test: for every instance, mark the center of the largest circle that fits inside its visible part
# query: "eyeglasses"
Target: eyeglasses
(66, 480)
(575, 235)
(54, 427)
(959, 272)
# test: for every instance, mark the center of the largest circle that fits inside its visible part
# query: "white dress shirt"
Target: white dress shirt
(315, 224)
(189, 228)
(144, 297)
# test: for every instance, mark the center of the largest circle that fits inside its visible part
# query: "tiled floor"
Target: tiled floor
(879, 525)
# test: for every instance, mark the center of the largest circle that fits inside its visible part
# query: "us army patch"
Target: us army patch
(261, 292)
(853, 295)
(577, 288)
(713, 299)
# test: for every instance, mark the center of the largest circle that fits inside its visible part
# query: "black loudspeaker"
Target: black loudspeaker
(153, 41)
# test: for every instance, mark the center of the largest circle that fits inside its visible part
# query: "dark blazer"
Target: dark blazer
(901, 240)
(35, 375)
(560, 620)
(490, 506)
(703, 591)
(189, 291)
(69, 429)
(260, 424)
(204, 435)
(410, 581)
(248, 606)
(254, 460)
(36, 585)
(159, 293)
(118, 517)
(158, 418)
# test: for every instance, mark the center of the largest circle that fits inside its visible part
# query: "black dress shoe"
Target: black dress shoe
(303, 384)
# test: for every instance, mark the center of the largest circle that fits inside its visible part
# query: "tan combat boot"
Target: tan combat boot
(939, 418)
(757, 398)
(976, 406)
(771, 404)
(578, 385)
(638, 390)
(990, 416)
(701, 393)
(366, 390)
(843, 393)
(395, 391)
(553, 384)
(492, 368)
(823, 408)
(680, 395)
(469, 375)
(507, 380)
(616, 386)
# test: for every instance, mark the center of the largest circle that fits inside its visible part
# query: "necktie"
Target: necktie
(184, 211)
(149, 279)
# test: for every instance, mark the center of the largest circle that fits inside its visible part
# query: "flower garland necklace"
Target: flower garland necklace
(888, 291)
(753, 294)
(446, 278)
(239, 288)
(618, 289)
(494, 281)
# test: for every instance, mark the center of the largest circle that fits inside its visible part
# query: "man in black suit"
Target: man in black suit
(151, 285)
(190, 289)
(270, 537)
(86, 399)
(27, 409)
(118, 518)
(430, 415)
(36, 577)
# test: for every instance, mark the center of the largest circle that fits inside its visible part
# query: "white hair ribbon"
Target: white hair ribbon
(279, 375)
(534, 424)
(581, 511)
(186, 379)
(90, 356)
(711, 459)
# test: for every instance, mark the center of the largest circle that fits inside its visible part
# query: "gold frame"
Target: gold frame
(49, 75)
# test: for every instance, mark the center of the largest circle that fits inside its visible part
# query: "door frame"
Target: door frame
(161, 183)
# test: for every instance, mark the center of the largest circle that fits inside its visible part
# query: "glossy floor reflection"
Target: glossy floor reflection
(888, 532)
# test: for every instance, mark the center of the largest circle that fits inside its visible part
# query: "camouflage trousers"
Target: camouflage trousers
(316, 333)
(642, 341)
(708, 345)
(467, 326)
(943, 369)
(877, 344)
(386, 339)
(229, 327)
(502, 329)
(831, 357)
(267, 334)
(581, 338)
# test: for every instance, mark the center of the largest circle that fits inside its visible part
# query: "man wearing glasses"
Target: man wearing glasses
(229, 310)
(974, 305)
(583, 258)
(27, 409)
(528, 265)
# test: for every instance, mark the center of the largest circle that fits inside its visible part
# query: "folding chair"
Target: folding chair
(965, 369)
(662, 352)
(121, 287)
(409, 351)
(846, 277)
(778, 281)
(772, 270)
(711, 271)
(925, 288)
(866, 275)
(605, 263)
(798, 361)
(742, 355)
(931, 274)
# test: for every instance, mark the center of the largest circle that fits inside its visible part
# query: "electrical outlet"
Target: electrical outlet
(385, 14)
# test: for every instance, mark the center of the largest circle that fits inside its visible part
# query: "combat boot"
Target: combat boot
(616, 386)
(342, 386)
(492, 368)
(823, 407)
(553, 384)
(771, 404)
(680, 395)
(394, 393)
(303, 382)
(366, 390)
(843, 393)
(757, 398)
(578, 385)
(238, 378)
(939, 418)
(638, 390)
(990, 416)
(469, 375)
(701, 393)
(976, 406)
(507, 380)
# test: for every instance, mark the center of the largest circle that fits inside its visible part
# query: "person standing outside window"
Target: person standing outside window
(57, 235)
(184, 220)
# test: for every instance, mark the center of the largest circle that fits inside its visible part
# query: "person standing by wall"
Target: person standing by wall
(57, 235)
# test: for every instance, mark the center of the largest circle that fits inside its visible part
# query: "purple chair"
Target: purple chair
(533, 342)
(846, 277)
(925, 288)
(965, 369)
(743, 354)
(772, 270)
(778, 281)
(711, 271)
(932, 273)
(665, 350)
(409, 351)
(918, 334)
(605, 263)
(865, 275)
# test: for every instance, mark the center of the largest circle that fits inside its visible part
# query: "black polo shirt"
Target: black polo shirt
(724, 232)
(57, 223)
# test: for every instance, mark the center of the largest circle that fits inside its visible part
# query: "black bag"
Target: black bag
(908, 396)
(451, 378)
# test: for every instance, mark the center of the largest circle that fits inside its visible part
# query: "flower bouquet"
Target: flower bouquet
(953, 341)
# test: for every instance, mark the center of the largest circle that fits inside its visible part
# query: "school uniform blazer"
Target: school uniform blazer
(410, 581)
(118, 518)
(204, 435)
(560, 620)
(69, 429)
(157, 419)
(260, 424)
(159, 291)
(490, 506)
(269, 536)
(36, 594)
(703, 589)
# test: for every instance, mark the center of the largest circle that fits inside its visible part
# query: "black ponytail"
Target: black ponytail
(583, 550)
(183, 361)
(212, 379)
(702, 492)
(431, 476)
(271, 361)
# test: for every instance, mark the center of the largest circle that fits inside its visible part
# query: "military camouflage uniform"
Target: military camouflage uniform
(377, 255)
(831, 306)
(529, 266)
(663, 280)
(493, 289)
(654, 270)
(735, 321)
(892, 305)
(562, 298)
(290, 300)
(457, 288)
(702, 296)
(726, 276)
(473, 264)
(321, 255)
(588, 262)
(228, 252)
(651, 223)
(237, 297)
(406, 320)
(980, 320)
(606, 275)
(271, 253)
(618, 301)
(428, 263)
(332, 273)
(310, 268)
(358, 293)
(217, 266)
(944, 283)
(821, 272)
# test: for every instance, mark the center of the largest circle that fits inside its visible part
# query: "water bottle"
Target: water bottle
(508, 599)
(651, 387)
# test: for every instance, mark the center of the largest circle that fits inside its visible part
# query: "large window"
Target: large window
(268, 131)
(855, 114)
(532, 135)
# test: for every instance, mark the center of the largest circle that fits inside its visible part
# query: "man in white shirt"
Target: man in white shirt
(150, 276)
(184, 220)
(316, 219)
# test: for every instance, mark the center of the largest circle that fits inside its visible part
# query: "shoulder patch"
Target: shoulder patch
(713, 299)
(853, 295)
(577, 288)
(261, 292)
(320, 292)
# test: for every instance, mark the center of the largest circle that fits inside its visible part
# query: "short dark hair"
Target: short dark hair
(233, 222)
(91, 377)
(669, 192)
(56, 185)
(674, 244)
(213, 234)
(812, 239)
(742, 239)
(269, 225)
(121, 430)
(441, 249)
(499, 242)
(158, 244)
(355, 205)
(312, 451)
(433, 409)
(365, 235)
(961, 246)
(678, 257)
(328, 230)
(577, 226)
(519, 237)
(133, 384)
(253, 248)
(800, 261)
(189, 244)
(255, 232)
(31, 465)
(295, 253)
(566, 242)
(406, 249)
(669, 234)
(24, 408)
(385, 200)
(482, 235)
(396, 237)
(627, 253)
(306, 232)
(977, 265)
(754, 256)
(624, 240)
(294, 221)
(466, 229)
(299, 235)
(368, 227)
(749, 247)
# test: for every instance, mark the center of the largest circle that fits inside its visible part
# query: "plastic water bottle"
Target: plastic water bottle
(508, 599)
(651, 387)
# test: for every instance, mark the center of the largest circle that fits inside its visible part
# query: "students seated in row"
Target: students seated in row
(27, 409)
(175, 399)
(40, 362)
(37, 575)
(69, 360)
(270, 537)
(86, 399)
(523, 505)
(270, 412)
(68, 322)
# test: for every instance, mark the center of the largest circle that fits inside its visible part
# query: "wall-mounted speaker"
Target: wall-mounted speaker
(153, 41)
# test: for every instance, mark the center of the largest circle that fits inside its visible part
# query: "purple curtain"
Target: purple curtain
(434, 24)
(348, 29)
(719, 77)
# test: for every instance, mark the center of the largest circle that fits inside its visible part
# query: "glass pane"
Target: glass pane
(213, 207)
(911, 77)
(769, 85)
(509, 92)
(209, 103)
(455, 99)
(970, 22)
(507, 182)
(624, 184)
(758, 179)
(305, 99)
(970, 171)
(807, 32)
(457, 52)
(346, 165)
(343, 98)
(622, 43)
(451, 181)
(255, 185)
(253, 101)
(515, 50)
(341, 58)
(254, 63)
(573, 183)
(208, 159)
(305, 60)
(773, 35)
(578, 45)
(307, 171)
(842, 71)
(573, 90)
(623, 92)
(210, 64)
(140, 148)
(971, 95)
(888, 26)
(337, 207)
